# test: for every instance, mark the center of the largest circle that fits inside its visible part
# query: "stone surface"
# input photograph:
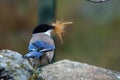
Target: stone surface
(70, 70)
(13, 66)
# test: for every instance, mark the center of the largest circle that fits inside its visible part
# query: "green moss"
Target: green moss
(8, 63)
(22, 66)
(35, 75)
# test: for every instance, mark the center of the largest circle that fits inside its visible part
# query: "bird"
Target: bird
(41, 46)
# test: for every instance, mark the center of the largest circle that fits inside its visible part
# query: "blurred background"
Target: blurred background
(93, 38)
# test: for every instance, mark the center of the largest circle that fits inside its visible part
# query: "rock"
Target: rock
(13, 66)
(70, 70)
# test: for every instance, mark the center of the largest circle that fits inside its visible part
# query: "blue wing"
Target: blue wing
(33, 54)
(38, 48)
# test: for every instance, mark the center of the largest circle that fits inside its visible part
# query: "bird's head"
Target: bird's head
(43, 28)
(58, 28)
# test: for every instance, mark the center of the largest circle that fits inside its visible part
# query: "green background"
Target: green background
(93, 38)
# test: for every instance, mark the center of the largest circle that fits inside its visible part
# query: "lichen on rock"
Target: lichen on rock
(71, 70)
(13, 66)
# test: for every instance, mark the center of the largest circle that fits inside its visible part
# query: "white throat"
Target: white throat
(48, 32)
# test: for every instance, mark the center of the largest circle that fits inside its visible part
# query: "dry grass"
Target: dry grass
(60, 28)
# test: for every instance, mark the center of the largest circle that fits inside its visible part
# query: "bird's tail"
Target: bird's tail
(33, 54)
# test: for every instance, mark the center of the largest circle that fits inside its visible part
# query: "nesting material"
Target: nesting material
(60, 28)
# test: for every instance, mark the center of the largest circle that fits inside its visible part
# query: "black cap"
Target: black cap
(42, 28)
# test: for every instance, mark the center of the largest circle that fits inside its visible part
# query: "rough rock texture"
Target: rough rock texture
(70, 70)
(13, 66)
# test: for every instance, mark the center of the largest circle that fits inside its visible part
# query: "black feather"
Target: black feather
(42, 28)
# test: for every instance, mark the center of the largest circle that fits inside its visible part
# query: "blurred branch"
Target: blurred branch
(46, 11)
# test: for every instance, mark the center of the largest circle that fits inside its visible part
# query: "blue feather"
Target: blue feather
(38, 48)
(40, 45)
(33, 54)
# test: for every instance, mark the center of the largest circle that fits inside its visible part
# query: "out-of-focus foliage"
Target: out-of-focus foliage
(93, 38)
(17, 18)
(46, 11)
